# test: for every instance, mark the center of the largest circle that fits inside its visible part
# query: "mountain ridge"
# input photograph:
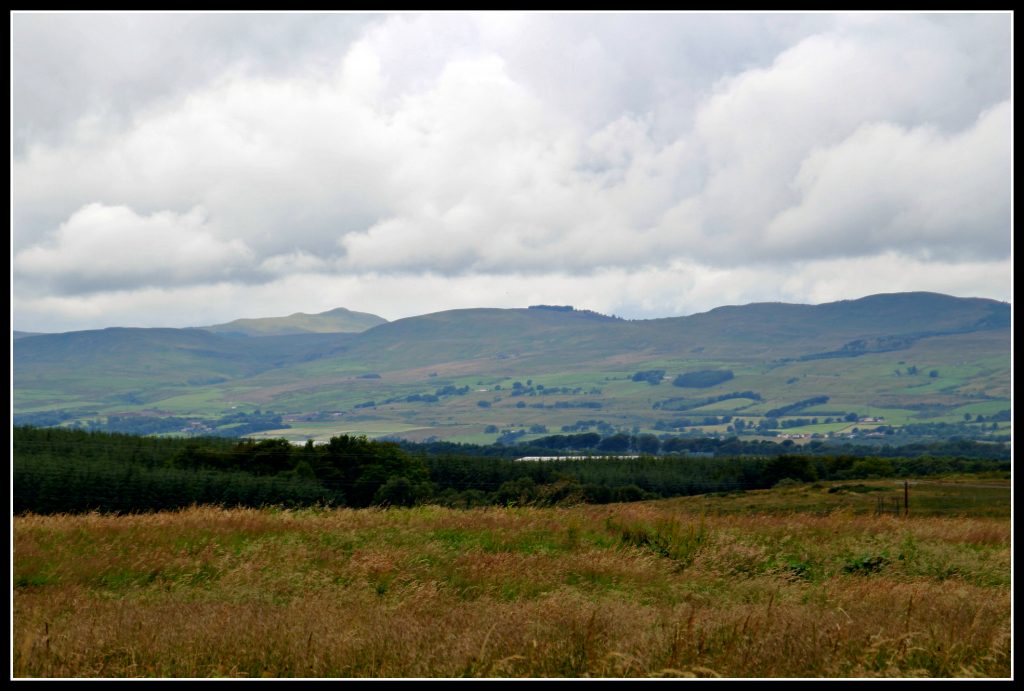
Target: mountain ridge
(924, 353)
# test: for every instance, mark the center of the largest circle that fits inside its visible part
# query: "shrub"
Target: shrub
(702, 379)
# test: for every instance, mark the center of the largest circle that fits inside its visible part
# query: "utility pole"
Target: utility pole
(906, 497)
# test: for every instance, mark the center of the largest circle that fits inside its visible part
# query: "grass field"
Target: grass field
(798, 581)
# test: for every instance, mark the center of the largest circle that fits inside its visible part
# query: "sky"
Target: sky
(189, 169)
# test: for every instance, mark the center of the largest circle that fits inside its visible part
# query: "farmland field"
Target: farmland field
(453, 375)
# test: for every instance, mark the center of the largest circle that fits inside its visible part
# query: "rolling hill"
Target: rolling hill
(339, 320)
(477, 374)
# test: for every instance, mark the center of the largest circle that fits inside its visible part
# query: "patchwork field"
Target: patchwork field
(911, 359)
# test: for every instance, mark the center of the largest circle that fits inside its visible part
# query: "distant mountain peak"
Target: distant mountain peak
(337, 320)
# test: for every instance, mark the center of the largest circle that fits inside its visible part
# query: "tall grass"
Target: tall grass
(624, 590)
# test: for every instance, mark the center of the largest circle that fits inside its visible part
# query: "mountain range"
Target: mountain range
(901, 360)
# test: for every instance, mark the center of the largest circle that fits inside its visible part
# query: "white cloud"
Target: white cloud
(764, 131)
(913, 190)
(102, 247)
(678, 289)
(429, 151)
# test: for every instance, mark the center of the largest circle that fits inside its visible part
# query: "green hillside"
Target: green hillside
(119, 365)
(890, 321)
(924, 363)
(338, 320)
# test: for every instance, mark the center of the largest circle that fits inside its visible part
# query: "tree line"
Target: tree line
(70, 471)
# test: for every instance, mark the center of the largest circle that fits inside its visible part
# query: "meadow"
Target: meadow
(803, 580)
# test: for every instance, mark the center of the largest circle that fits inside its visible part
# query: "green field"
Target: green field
(572, 366)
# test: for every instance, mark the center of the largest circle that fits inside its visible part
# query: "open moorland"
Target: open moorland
(803, 580)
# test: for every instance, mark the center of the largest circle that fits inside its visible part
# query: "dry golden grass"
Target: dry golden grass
(629, 590)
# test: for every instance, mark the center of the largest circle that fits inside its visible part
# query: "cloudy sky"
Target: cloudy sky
(189, 169)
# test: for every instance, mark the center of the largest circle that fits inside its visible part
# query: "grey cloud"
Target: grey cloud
(458, 145)
(113, 66)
